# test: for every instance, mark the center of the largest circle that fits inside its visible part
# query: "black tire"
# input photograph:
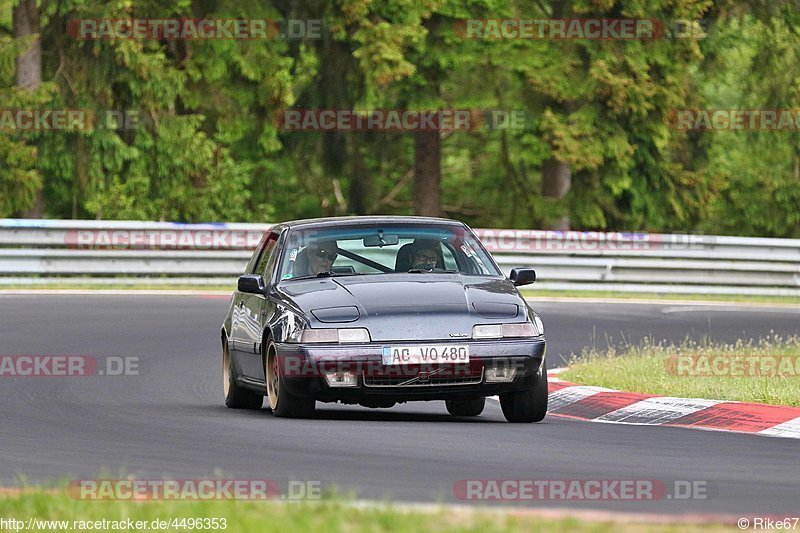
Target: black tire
(470, 407)
(236, 397)
(529, 405)
(281, 401)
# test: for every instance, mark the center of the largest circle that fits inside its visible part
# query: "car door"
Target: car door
(247, 327)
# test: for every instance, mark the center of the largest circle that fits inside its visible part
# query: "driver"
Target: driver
(425, 255)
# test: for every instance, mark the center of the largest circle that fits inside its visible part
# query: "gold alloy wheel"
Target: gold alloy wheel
(226, 370)
(272, 377)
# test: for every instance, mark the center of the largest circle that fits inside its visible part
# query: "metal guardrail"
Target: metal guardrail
(34, 252)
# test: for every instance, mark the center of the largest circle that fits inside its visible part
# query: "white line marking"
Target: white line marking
(654, 411)
(670, 302)
(107, 292)
(728, 309)
(790, 428)
(570, 395)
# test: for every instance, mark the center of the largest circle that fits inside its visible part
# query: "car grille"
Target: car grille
(434, 378)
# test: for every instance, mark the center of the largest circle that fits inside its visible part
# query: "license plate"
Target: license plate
(435, 353)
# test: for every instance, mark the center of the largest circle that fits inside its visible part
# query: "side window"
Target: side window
(271, 262)
(449, 260)
(250, 268)
(267, 254)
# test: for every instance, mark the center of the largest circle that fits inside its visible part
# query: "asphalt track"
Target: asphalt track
(169, 421)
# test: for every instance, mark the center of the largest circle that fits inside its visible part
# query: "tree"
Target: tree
(20, 89)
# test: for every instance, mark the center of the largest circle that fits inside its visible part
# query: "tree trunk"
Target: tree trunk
(428, 144)
(556, 180)
(556, 175)
(427, 173)
(334, 88)
(29, 66)
(29, 63)
(360, 183)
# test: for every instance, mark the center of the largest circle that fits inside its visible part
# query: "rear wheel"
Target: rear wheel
(469, 407)
(282, 402)
(529, 405)
(236, 397)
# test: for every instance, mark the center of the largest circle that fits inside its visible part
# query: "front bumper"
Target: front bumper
(303, 366)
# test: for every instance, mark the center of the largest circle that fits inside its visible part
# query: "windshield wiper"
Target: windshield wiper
(326, 274)
(332, 274)
(433, 270)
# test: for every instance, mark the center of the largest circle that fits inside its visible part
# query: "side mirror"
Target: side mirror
(251, 284)
(522, 276)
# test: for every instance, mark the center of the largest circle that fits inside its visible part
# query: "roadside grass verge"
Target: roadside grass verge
(66, 286)
(334, 515)
(744, 298)
(527, 293)
(766, 371)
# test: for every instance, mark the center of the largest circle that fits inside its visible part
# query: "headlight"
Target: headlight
(487, 331)
(343, 335)
(498, 331)
(353, 335)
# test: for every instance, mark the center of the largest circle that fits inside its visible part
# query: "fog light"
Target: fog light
(341, 378)
(500, 374)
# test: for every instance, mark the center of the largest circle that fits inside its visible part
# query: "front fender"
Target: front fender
(285, 322)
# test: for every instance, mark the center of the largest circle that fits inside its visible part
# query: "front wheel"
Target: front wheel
(236, 397)
(530, 404)
(469, 407)
(283, 403)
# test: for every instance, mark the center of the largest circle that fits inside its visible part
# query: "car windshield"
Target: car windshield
(384, 249)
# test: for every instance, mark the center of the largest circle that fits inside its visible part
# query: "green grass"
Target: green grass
(110, 286)
(533, 293)
(652, 369)
(332, 515)
(528, 293)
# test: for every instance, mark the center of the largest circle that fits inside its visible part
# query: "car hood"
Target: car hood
(407, 306)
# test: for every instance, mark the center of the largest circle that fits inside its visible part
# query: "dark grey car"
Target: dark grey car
(336, 310)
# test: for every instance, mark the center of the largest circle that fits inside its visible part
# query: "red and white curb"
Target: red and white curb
(599, 404)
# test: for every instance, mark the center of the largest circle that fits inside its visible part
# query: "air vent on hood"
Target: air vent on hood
(496, 310)
(347, 313)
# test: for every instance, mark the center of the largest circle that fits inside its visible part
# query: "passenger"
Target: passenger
(320, 257)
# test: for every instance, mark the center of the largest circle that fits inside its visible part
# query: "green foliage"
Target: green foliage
(207, 145)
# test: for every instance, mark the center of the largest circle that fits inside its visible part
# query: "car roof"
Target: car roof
(358, 220)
